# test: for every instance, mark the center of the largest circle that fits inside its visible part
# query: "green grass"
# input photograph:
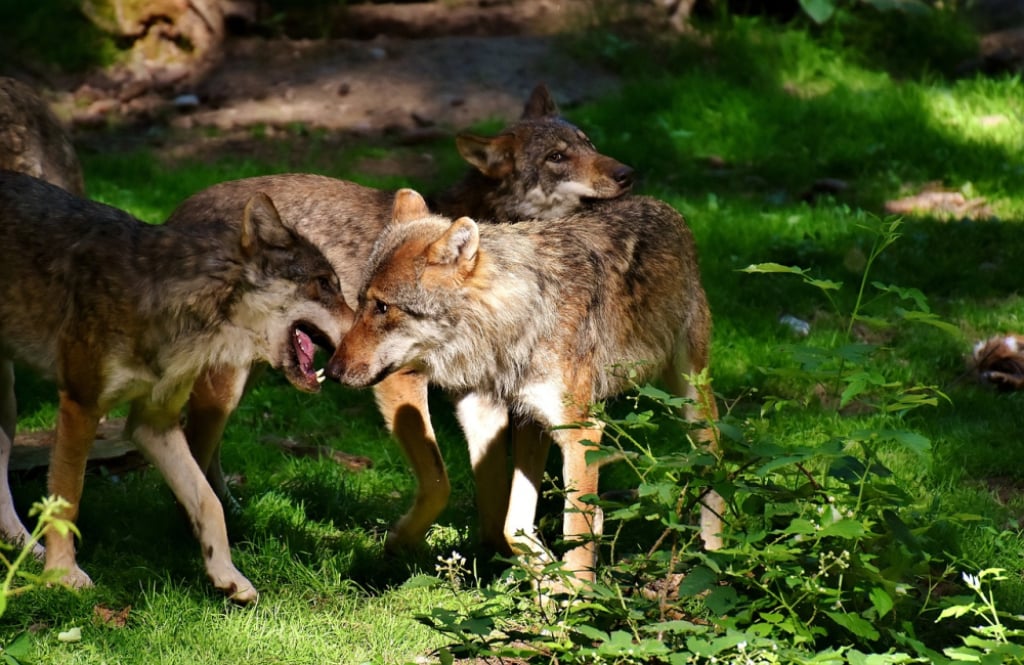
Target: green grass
(781, 108)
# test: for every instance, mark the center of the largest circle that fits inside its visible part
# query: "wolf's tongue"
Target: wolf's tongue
(304, 351)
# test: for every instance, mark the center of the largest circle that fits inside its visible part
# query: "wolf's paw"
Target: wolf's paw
(400, 540)
(236, 587)
(76, 578)
(244, 596)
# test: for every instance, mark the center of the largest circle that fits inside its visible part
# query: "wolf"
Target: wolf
(542, 154)
(32, 139)
(533, 318)
(115, 310)
(540, 167)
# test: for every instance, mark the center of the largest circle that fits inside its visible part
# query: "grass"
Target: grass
(778, 109)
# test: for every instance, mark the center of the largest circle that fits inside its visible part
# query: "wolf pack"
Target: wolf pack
(531, 289)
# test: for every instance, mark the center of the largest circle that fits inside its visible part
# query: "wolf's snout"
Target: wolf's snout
(623, 176)
(335, 366)
(351, 374)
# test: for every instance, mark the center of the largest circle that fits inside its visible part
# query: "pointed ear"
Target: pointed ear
(408, 205)
(540, 104)
(261, 223)
(492, 157)
(458, 246)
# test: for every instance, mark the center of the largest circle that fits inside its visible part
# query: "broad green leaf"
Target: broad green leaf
(882, 601)
(824, 284)
(697, 581)
(591, 633)
(844, 528)
(773, 268)
(19, 646)
(931, 320)
(819, 10)
(905, 294)
(855, 624)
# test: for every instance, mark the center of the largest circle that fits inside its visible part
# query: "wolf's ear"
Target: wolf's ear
(540, 104)
(492, 157)
(408, 206)
(458, 246)
(261, 223)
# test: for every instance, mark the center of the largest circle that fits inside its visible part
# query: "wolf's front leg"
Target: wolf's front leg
(484, 422)
(160, 438)
(76, 429)
(215, 396)
(582, 523)
(402, 400)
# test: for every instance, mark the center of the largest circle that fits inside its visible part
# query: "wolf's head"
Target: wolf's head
(544, 164)
(290, 296)
(412, 299)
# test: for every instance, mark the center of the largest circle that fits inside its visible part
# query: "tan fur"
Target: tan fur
(115, 310)
(533, 318)
(999, 361)
(344, 219)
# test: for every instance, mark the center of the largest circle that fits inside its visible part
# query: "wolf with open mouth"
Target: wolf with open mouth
(115, 310)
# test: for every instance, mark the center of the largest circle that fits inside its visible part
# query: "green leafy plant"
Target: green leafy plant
(821, 11)
(843, 362)
(47, 511)
(993, 641)
(825, 549)
(18, 580)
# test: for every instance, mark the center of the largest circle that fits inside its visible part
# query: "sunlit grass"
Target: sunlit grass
(779, 109)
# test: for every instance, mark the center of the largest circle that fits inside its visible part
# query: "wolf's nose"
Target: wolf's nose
(623, 176)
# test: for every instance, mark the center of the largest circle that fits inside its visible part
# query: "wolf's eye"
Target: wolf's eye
(381, 306)
(327, 284)
(556, 157)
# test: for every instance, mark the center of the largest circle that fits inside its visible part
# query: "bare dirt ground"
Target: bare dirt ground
(411, 70)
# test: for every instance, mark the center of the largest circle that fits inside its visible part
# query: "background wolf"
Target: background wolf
(532, 317)
(115, 310)
(32, 139)
(541, 165)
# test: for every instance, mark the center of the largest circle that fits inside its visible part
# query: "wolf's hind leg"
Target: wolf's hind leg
(163, 442)
(703, 408)
(402, 400)
(76, 429)
(485, 425)
(11, 528)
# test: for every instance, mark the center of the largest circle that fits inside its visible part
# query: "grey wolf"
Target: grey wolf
(32, 139)
(999, 361)
(115, 310)
(540, 153)
(532, 318)
(540, 167)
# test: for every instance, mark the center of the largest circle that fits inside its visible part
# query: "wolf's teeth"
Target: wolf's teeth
(320, 375)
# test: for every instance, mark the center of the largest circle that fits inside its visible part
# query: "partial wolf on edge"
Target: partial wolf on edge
(32, 139)
(542, 154)
(115, 310)
(532, 318)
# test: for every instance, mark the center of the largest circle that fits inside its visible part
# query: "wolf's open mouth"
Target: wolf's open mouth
(305, 337)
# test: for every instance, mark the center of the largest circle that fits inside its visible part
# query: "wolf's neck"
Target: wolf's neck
(190, 279)
(500, 329)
